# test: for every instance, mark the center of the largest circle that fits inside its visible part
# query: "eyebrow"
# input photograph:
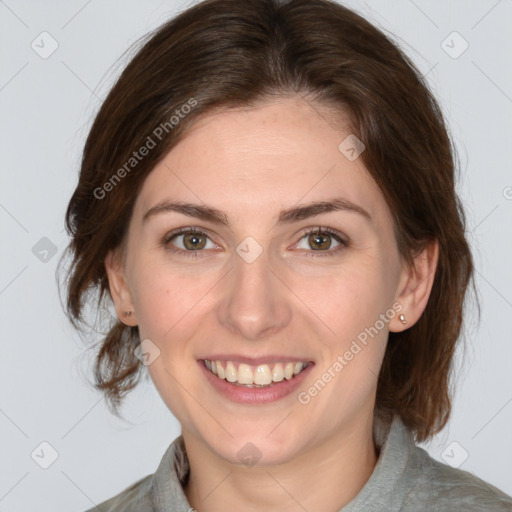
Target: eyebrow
(288, 216)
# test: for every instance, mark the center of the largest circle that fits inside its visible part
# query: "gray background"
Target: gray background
(46, 107)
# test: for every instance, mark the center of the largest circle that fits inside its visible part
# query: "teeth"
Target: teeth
(220, 370)
(231, 375)
(278, 373)
(244, 374)
(262, 375)
(297, 368)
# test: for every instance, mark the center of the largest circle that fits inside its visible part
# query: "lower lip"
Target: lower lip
(264, 395)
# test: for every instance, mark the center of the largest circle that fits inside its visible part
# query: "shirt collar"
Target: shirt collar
(386, 487)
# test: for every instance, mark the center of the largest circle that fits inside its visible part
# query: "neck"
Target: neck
(326, 476)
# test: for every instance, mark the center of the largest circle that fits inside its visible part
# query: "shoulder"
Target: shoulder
(443, 488)
(135, 498)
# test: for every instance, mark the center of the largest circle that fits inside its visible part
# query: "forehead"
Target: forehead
(278, 153)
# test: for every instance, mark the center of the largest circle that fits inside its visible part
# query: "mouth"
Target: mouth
(255, 376)
(255, 382)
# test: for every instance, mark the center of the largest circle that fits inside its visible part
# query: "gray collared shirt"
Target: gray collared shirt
(404, 479)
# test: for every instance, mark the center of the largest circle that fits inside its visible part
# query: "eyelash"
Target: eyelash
(317, 231)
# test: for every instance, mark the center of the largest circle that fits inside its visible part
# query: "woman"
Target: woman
(267, 196)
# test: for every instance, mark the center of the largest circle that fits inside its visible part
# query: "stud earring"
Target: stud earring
(402, 319)
(127, 313)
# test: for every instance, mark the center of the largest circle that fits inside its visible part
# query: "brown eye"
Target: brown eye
(319, 241)
(193, 241)
(188, 241)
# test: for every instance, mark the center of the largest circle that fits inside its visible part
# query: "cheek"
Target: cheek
(166, 300)
(350, 298)
(350, 303)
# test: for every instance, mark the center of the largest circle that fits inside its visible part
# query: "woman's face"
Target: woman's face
(257, 287)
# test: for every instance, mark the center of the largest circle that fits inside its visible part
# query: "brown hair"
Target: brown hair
(224, 53)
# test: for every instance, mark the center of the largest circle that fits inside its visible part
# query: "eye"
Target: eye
(320, 240)
(189, 241)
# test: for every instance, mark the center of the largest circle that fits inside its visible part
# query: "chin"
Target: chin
(255, 446)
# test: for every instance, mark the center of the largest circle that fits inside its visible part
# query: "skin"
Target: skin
(292, 300)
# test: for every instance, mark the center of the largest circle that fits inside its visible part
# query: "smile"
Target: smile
(263, 375)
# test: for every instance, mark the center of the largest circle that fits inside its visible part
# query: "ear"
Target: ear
(119, 289)
(415, 286)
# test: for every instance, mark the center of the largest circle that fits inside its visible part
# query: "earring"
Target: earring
(402, 319)
(127, 313)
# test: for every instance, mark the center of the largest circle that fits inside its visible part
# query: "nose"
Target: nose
(255, 302)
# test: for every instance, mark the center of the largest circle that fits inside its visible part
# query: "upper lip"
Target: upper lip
(256, 361)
